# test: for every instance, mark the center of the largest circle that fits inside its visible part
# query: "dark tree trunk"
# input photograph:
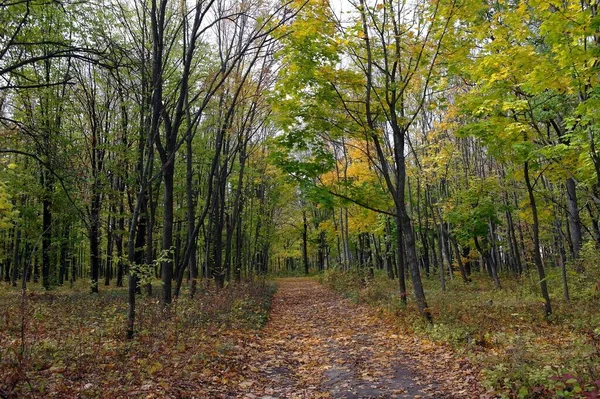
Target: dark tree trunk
(94, 232)
(536, 242)
(304, 242)
(64, 249)
(15, 256)
(238, 252)
(236, 218)
(461, 266)
(378, 257)
(167, 239)
(108, 273)
(442, 271)
(512, 237)
(396, 189)
(574, 221)
(413, 265)
(191, 216)
(389, 254)
(400, 259)
(562, 258)
(595, 224)
(119, 242)
(46, 229)
(368, 254)
(489, 263)
(447, 249)
(73, 268)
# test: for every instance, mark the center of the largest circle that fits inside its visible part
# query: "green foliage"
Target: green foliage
(6, 209)
(470, 211)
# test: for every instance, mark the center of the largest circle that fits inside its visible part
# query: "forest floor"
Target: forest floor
(504, 333)
(315, 344)
(319, 345)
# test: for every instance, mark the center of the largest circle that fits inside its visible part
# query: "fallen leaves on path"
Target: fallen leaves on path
(318, 345)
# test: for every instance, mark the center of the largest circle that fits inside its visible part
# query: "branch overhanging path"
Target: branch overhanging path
(319, 345)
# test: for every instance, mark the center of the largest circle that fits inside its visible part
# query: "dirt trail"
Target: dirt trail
(319, 345)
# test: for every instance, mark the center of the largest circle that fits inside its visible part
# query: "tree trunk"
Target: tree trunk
(109, 250)
(237, 271)
(46, 229)
(304, 242)
(489, 263)
(191, 216)
(442, 268)
(413, 266)
(64, 249)
(94, 232)
(389, 256)
(514, 246)
(574, 221)
(167, 239)
(15, 256)
(119, 242)
(401, 260)
(560, 249)
(461, 266)
(536, 242)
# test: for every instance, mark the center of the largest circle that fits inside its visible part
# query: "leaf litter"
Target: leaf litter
(314, 345)
(319, 345)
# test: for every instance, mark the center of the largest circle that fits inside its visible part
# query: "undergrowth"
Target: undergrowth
(74, 341)
(503, 332)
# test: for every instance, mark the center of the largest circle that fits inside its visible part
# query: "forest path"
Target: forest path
(319, 345)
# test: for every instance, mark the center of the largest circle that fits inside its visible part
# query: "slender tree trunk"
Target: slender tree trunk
(389, 255)
(487, 259)
(413, 266)
(440, 247)
(109, 250)
(378, 257)
(574, 221)
(64, 249)
(238, 251)
(15, 256)
(442, 267)
(237, 209)
(595, 224)
(46, 228)
(167, 239)
(536, 242)
(94, 232)
(119, 250)
(401, 260)
(304, 242)
(560, 249)
(461, 266)
(447, 250)
(495, 251)
(119, 241)
(191, 216)
(514, 246)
